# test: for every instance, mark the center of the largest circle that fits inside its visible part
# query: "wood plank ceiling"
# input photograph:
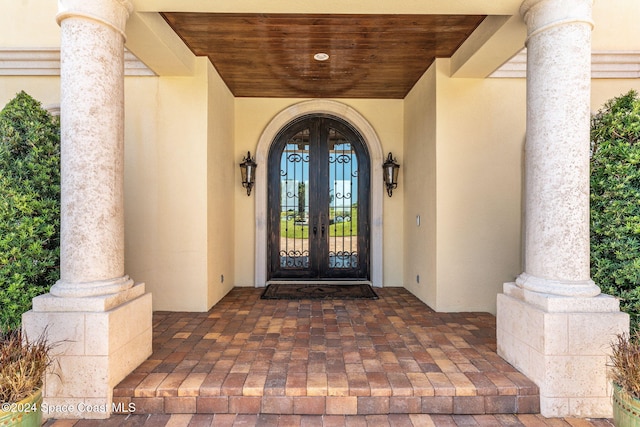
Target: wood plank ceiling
(370, 56)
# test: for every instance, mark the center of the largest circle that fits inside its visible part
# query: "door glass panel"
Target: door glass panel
(343, 203)
(294, 203)
(318, 202)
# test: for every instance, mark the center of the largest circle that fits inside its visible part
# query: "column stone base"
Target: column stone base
(98, 342)
(563, 345)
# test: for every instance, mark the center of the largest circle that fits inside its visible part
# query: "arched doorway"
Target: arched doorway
(358, 122)
(318, 201)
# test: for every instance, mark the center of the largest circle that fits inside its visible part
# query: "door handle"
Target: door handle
(322, 230)
(315, 230)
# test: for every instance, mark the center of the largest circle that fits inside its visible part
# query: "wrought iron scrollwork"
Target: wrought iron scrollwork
(294, 202)
(294, 259)
(343, 260)
(297, 158)
(343, 196)
(340, 158)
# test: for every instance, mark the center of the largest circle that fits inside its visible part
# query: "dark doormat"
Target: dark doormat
(308, 291)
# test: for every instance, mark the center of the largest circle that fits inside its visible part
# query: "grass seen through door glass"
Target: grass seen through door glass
(341, 225)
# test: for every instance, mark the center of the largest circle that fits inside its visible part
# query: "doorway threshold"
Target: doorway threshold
(320, 282)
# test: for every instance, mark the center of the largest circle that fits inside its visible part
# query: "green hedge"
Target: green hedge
(615, 201)
(29, 205)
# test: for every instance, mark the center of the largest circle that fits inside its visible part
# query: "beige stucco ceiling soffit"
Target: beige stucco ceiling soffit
(158, 46)
(496, 40)
(464, 7)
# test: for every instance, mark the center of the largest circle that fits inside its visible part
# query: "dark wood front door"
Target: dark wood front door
(318, 201)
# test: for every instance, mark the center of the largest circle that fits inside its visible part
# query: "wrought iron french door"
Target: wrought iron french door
(319, 201)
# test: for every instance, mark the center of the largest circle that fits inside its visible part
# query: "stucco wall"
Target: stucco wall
(254, 114)
(419, 183)
(464, 142)
(166, 192)
(142, 166)
(481, 128)
(29, 23)
(179, 212)
(616, 25)
(603, 90)
(44, 89)
(221, 167)
(465, 139)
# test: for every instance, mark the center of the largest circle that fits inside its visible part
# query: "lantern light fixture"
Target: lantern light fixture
(390, 170)
(248, 172)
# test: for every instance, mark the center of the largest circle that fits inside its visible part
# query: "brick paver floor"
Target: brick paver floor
(386, 362)
(336, 357)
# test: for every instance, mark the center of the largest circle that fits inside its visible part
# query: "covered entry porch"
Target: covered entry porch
(180, 227)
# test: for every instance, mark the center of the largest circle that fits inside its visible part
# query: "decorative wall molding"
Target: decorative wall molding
(46, 62)
(606, 64)
(610, 64)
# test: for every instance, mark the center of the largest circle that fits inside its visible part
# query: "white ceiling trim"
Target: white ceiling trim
(606, 64)
(46, 62)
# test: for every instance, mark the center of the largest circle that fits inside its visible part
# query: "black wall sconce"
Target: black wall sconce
(248, 171)
(390, 167)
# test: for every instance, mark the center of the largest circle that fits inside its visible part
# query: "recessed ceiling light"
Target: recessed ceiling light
(321, 56)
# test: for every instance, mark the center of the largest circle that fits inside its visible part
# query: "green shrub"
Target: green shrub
(29, 205)
(615, 201)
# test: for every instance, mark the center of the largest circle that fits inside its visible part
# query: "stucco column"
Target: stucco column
(98, 318)
(553, 324)
(557, 147)
(92, 150)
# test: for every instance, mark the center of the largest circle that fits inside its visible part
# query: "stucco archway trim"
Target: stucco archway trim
(347, 113)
